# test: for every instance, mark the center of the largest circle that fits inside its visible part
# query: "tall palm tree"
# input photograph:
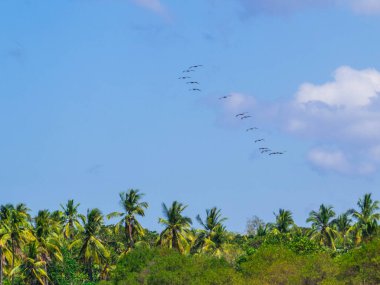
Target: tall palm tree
(5, 253)
(91, 248)
(32, 269)
(17, 220)
(367, 218)
(322, 227)
(212, 236)
(71, 219)
(177, 227)
(132, 207)
(46, 232)
(284, 221)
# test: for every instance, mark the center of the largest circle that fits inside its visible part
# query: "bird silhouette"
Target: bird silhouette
(192, 82)
(224, 97)
(188, 70)
(276, 152)
(251, 129)
(245, 117)
(259, 140)
(195, 66)
(184, 77)
(241, 114)
(194, 89)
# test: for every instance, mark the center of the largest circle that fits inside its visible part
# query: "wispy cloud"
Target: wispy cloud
(153, 5)
(281, 7)
(366, 6)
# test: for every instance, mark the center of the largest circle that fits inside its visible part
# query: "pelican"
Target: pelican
(195, 66)
(245, 117)
(259, 140)
(194, 89)
(251, 129)
(241, 114)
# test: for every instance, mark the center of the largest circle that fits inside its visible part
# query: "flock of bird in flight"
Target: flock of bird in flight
(242, 116)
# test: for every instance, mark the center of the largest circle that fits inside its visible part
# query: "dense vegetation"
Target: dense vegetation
(66, 247)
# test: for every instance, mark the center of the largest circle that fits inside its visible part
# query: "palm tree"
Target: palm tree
(284, 221)
(366, 217)
(5, 253)
(176, 226)
(91, 248)
(322, 227)
(32, 269)
(70, 219)
(130, 202)
(46, 232)
(211, 238)
(17, 220)
(343, 225)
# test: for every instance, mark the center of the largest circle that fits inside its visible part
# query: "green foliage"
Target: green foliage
(67, 272)
(361, 265)
(128, 267)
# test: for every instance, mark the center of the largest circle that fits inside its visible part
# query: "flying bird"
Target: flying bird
(195, 66)
(245, 117)
(276, 152)
(259, 140)
(241, 114)
(194, 89)
(224, 97)
(251, 129)
(188, 70)
(265, 150)
(184, 77)
(192, 82)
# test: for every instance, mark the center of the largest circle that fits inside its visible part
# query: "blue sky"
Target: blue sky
(90, 104)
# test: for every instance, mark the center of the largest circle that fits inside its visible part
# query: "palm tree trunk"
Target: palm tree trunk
(13, 261)
(46, 278)
(1, 266)
(130, 229)
(89, 269)
(174, 241)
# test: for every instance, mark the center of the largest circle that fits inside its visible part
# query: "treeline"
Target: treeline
(66, 247)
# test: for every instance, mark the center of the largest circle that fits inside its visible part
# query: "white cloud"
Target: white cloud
(351, 88)
(344, 113)
(153, 5)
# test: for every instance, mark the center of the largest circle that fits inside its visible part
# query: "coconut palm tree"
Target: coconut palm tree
(71, 219)
(344, 228)
(177, 227)
(132, 207)
(17, 220)
(32, 268)
(322, 228)
(5, 253)
(367, 218)
(91, 248)
(211, 238)
(46, 232)
(284, 221)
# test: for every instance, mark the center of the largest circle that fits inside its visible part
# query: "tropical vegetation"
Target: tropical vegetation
(67, 247)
